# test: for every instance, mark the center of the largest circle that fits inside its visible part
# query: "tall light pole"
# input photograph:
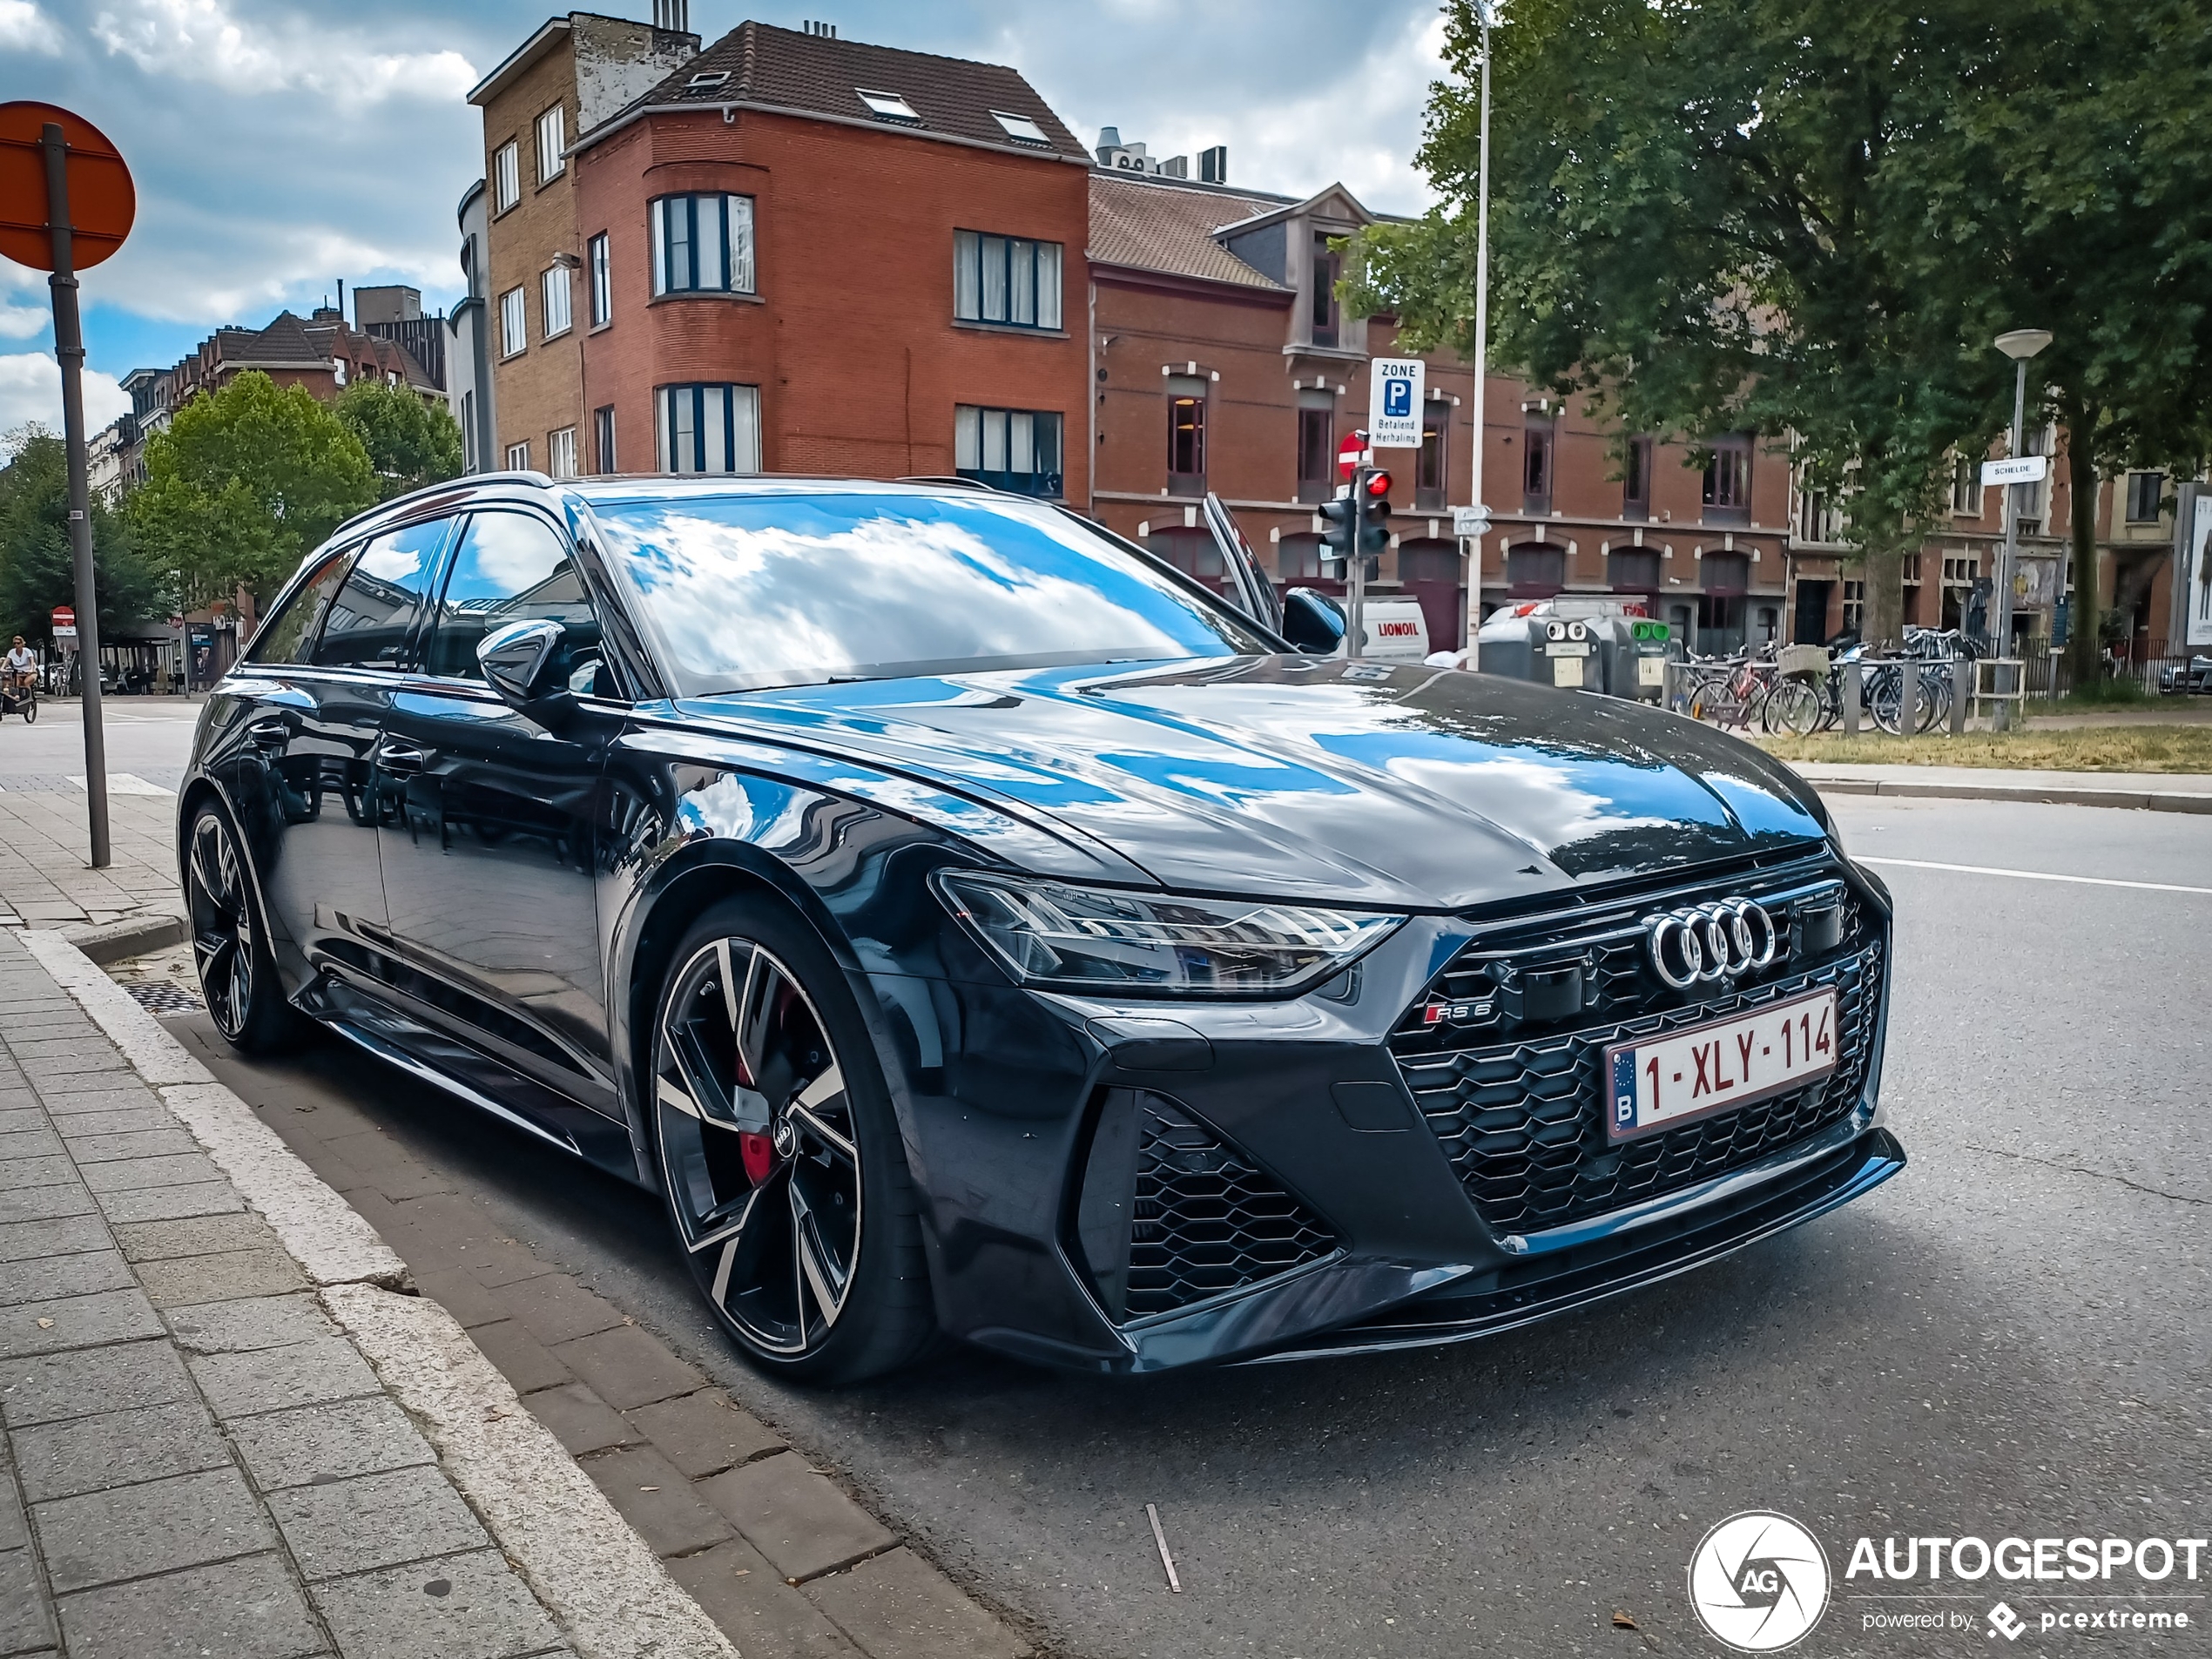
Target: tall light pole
(1481, 344)
(2019, 345)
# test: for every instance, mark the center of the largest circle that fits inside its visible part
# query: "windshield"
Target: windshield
(758, 589)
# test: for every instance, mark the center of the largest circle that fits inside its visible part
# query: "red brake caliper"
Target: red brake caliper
(759, 1153)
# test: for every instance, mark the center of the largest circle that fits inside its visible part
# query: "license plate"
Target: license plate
(1651, 671)
(1566, 671)
(1662, 1082)
(1567, 648)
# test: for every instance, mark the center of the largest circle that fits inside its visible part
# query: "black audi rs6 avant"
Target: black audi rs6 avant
(969, 924)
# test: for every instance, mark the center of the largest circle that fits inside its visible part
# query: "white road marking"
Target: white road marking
(2038, 875)
(124, 782)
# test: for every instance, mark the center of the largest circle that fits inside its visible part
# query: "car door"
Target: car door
(311, 704)
(489, 865)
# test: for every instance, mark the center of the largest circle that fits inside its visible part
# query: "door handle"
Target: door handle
(400, 759)
(268, 734)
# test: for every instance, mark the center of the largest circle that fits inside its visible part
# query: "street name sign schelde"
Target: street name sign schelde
(2020, 470)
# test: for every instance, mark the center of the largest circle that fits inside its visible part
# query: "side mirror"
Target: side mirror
(1313, 624)
(519, 658)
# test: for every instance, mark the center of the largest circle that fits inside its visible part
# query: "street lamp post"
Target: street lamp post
(1482, 345)
(2019, 345)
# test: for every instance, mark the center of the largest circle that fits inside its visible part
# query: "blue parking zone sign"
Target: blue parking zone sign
(1395, 388)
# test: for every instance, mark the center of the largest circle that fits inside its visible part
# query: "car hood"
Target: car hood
(1407, 787)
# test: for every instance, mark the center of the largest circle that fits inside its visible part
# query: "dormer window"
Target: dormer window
(1020, 128)
(889, 105)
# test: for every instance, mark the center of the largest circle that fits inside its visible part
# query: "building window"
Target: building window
(1854, 606)
(514, 323)
(1432, 472)
(1186, 435)
(1633, 569)
(1536, 469)
(507, 175)
(552, 139)
(554, 285)
(1316, 440)
(1016, 449)
(1636, 480)
(2144, 489)
(560, 450)
(602, 283)
(518, 457)
(602, 439)
(1965, 487)
(1728, 480)
(1006, 279)
(708, 428)
(468, 461)
(702, 244)
(1325, 293)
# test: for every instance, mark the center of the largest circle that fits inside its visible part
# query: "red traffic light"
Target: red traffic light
(1378, 485)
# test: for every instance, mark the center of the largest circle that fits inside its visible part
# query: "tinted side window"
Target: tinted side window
(374, 615)
(510, 567)
(288, 636)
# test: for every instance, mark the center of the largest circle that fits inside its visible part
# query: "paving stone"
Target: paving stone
(108, 1148)
(242, 1385)
(580, 1420)
(16, 1121)
(804, 1525)
(49, 1171)
(521, 1358)
(627, 1366)
(315, 1445)
(133, 1175)
(555, 1308)
(22, 1241)
(45, 1204)
(241, 1609)
(456, 1290)
(186, 1520)
(15, 1532)
(77, 1322)
(703, 1433)
(120, 1096)
(116, 1448)
(31, 1144)
(482, 1611)
(651, 1494)
(167, 1204)
(897, 1606)
(736, 1588)
(123, 1120)
(387, 1166)
(154, 1241)
(24, 1624)
(57, 1386)
(53, 1076)
(77, 1274)
(374, 1521)
(257, 1322)
(264, 1272)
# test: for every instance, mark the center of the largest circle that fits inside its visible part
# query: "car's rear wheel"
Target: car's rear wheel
(780, 1160)
(238, 977)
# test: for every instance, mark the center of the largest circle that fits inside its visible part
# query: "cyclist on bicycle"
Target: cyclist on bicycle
(18, 668)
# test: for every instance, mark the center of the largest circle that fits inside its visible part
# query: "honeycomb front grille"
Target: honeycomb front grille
(1205, 1221)
(1522, 1121)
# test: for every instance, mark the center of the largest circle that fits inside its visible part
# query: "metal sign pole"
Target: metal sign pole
(68, 351)
(1355, 572)
(1481, 347)
(2001, 590)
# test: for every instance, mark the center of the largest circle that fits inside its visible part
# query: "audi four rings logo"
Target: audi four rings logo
(1711, 941)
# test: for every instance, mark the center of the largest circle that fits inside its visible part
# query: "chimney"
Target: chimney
(1213, 165)
(674, 16)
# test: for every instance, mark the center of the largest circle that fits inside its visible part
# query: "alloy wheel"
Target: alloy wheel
(760, 1150)
(222, 925)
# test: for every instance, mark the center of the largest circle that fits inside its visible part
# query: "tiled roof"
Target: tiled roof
(951, 97)
(1170, 228)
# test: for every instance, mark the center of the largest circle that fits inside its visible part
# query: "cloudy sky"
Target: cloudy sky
(279, 146)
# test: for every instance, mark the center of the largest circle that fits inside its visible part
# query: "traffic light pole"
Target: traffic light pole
(1355, 572)
(68, 351)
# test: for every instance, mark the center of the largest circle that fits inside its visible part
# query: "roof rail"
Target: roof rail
(542, 481)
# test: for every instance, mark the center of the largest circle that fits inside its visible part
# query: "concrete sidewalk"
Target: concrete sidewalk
(2168, 791)
(47, 878)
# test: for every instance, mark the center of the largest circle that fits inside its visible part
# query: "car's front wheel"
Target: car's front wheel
(779, 1157)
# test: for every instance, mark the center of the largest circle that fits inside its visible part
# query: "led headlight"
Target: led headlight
(1052, 934)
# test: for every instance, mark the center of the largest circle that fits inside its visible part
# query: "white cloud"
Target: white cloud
(202, 40)
(24, 28)
(30, 389)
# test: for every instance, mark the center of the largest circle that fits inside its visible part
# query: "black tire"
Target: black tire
(780, 1162)
(31, 709)
(230, 944)
(1792, 706)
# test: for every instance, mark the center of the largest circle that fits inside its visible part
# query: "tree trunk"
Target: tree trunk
(1882, 624)
(2082, 480)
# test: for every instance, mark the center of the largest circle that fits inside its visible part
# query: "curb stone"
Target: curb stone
(2062, 795)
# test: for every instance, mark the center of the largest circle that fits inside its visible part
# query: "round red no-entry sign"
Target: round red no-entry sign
(1350, 454)
(102, 202)
(65, 616)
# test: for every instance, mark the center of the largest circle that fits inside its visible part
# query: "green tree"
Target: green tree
(38, 567)
(410, 443)
(1805, 217)
(242, 485)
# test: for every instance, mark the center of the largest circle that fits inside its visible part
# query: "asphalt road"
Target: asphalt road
(2012, 1337)
(147, 737)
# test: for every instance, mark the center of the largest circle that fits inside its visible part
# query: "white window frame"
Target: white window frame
(707, 427)
(602, 439)
(1009, 282)
(602, 282)
(518, 456)
(560, 453)
(702, 243)
(888, 105)
(513, 322)
(556, 297)
(506, 175)
(552, 145)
